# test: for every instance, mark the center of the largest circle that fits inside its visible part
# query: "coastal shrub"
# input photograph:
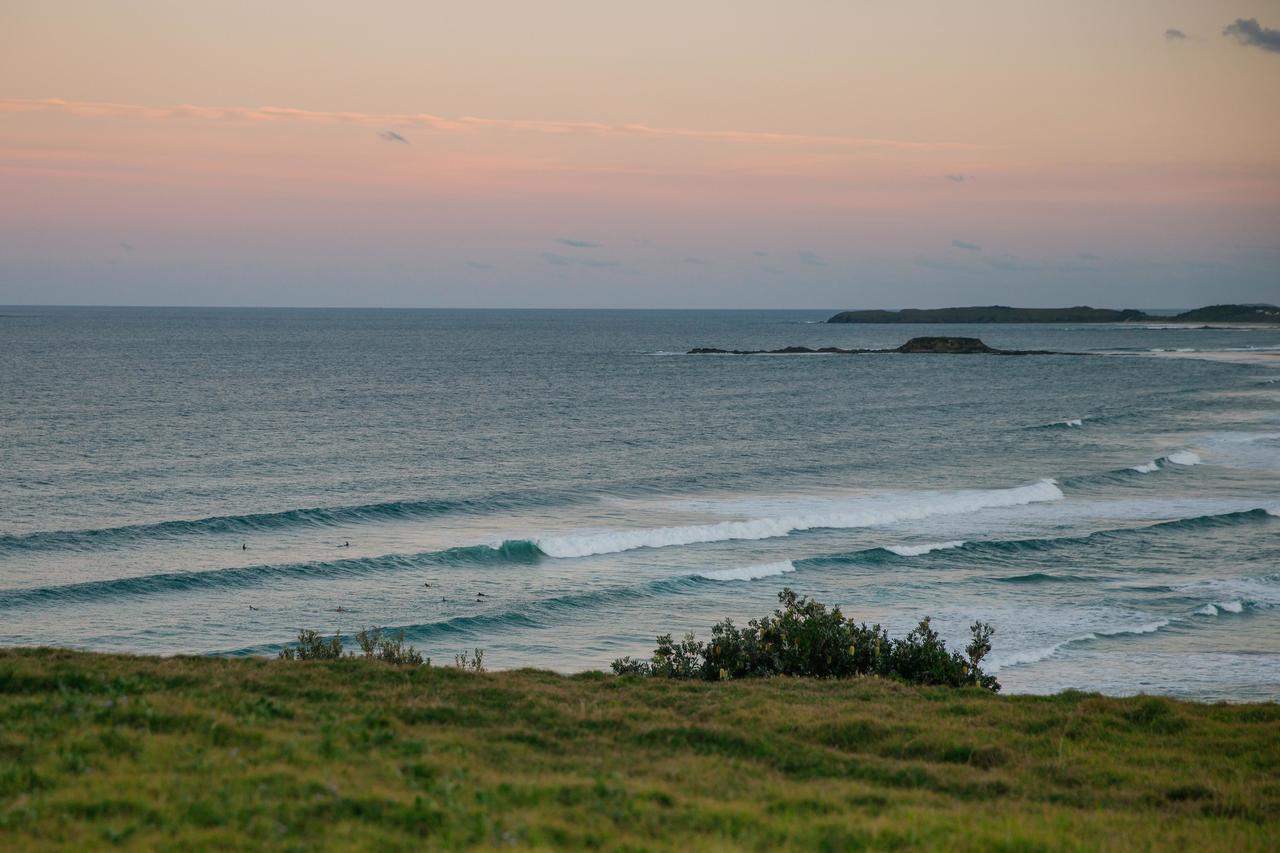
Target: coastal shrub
(805, 638)
(473, 662)
(312, 646)
(374, 645)
(388, 649)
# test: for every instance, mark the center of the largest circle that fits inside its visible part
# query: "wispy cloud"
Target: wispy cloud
(392, 136)
(760, 253)
(945, 265)
(811, 259)
(964, 244)
(477, 265)
(1011, 263)
(1085, 256)
(96, 109)
(1174, 34)
(1248, 32)
(693, 259)
(567, 261)
(956, 178)
(578, 244)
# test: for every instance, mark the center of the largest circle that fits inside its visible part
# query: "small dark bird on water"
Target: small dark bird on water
(244, 547)
(251, 607)
(481, 595)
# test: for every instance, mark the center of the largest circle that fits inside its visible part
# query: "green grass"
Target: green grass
(98, 750)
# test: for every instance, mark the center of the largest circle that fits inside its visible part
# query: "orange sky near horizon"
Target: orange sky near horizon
(713, 154)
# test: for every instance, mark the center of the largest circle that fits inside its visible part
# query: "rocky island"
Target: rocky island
(1253, 313)
(935, 345)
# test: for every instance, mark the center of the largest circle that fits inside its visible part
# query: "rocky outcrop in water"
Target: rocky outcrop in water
(932, 345)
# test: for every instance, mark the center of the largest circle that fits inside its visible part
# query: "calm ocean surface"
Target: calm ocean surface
(185, 480)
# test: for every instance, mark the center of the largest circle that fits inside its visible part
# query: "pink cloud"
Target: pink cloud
(95, 109)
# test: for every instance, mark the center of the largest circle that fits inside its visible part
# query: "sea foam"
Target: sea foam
(836, 514)
(926, 548)
(1184, 457)
(750, 573)
(1027, 656)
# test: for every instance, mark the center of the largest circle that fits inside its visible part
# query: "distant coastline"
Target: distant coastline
(1231, 313)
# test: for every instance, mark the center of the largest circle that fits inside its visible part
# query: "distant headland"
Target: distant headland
(1256, 313)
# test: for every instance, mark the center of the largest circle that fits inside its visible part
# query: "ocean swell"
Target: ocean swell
(94, 538)
(518, 551)
(864, 514)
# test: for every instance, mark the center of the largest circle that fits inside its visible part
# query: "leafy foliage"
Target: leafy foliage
(473, 662)
(805, 638)
(389, 649)
(312, 646)
(373, 644)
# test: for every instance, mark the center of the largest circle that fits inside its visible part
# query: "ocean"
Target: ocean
(558, 487)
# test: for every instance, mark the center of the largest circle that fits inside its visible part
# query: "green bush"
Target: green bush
(473, 662)
(312, 646)
(372, 642)
(388, 649)
(805, 638)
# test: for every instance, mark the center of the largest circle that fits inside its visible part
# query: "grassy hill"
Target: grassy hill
(239, 754)
(1231, 314)
(990, 314)
(1078, 314)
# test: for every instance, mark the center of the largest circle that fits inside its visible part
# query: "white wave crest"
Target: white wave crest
(862, 513)
(1026, 656)
(1234, 595)
(917, 550)
(1184, 457)
(1146, 467)
(1221, 607)
(750, 573)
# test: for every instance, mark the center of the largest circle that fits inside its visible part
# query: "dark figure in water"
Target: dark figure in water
(244, 547)
(346, 544)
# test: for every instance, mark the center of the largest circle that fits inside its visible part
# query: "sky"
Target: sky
(737, 154)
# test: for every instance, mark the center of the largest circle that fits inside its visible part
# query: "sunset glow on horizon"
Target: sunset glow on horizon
(583, 155)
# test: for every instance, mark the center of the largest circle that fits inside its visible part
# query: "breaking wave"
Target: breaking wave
(918, 550)
(1026, 656)
(750, 573)
(855, 513)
